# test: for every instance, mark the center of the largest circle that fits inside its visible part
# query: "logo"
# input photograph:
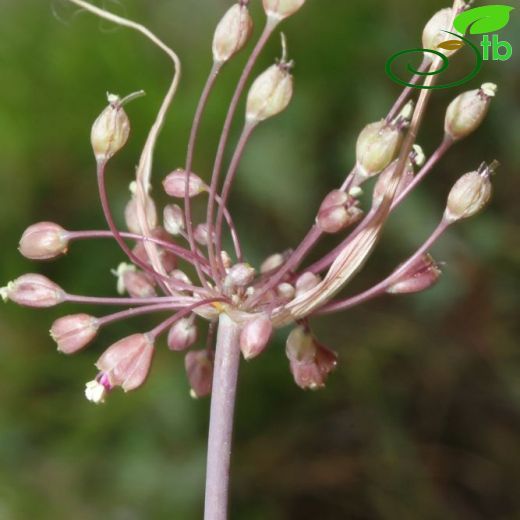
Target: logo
(478, 21)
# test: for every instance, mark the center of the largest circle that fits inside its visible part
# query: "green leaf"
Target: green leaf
(481, 20)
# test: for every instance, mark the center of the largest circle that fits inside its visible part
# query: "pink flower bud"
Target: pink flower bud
(255, 336)
(377, 146)
(421, 275)
(201, 234)
(127, 362)
(232, 32)
(383, 182)
(138, 285)
(310, 362)
(182, 335)
(131, 215)
(286, 291)
(280, 9)
(110, 131)
(467, 111)
(270, 93)
(173, 218)
(74, 332)
(240, 275)
(43, 241)
(180, 276)
(175, 184)
(469, 195)
(33, 290)
(271, 263)
(199, 369)
(306, 282)
(335, 198)
(338, 211)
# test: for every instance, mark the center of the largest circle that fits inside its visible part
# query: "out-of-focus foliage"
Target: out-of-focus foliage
(421, 419)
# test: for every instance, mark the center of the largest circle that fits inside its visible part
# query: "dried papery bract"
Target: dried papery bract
(132, 217)
(43, 241)
(434, 33)
(127, 362)
(385, 178)
(280, 9)
(467, 111)
(73, 333)
(232, 32)
(33, 290)
(469, 195)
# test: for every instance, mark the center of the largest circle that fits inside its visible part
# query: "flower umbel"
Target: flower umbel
(194, 269)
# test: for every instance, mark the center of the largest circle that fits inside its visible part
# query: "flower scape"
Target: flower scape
(191, 271)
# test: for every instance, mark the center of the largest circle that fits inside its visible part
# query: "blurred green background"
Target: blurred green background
(422, 418)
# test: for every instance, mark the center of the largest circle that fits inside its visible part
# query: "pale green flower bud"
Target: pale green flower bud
(467, 111)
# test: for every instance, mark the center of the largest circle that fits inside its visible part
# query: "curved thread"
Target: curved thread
(445, 64)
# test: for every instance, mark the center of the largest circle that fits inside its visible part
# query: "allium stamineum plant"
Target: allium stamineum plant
(243, 304)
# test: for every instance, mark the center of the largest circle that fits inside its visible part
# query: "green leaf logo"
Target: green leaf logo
(481, 20)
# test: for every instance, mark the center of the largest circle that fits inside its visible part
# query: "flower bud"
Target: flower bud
(33, 290)
(199, 369)
(286, 291)
(270, 93)
(173, 218)
(255, 335)
(182, 335)
(240, 275)
(469, 195)
(467, 111)
(74, 332)
(232, 32)
(271, 263)
(201, 234)
(138, 285)
(376, 147)
(421, 275)
(383, 182)
(127, 362)
(110, 130)
(338, 211)
(310, 362)
(175, 184)
(180, 276)
(434, 32)
(280, 9)
(131, 215)
(43, 241)
(226, 260)
(306, 282)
